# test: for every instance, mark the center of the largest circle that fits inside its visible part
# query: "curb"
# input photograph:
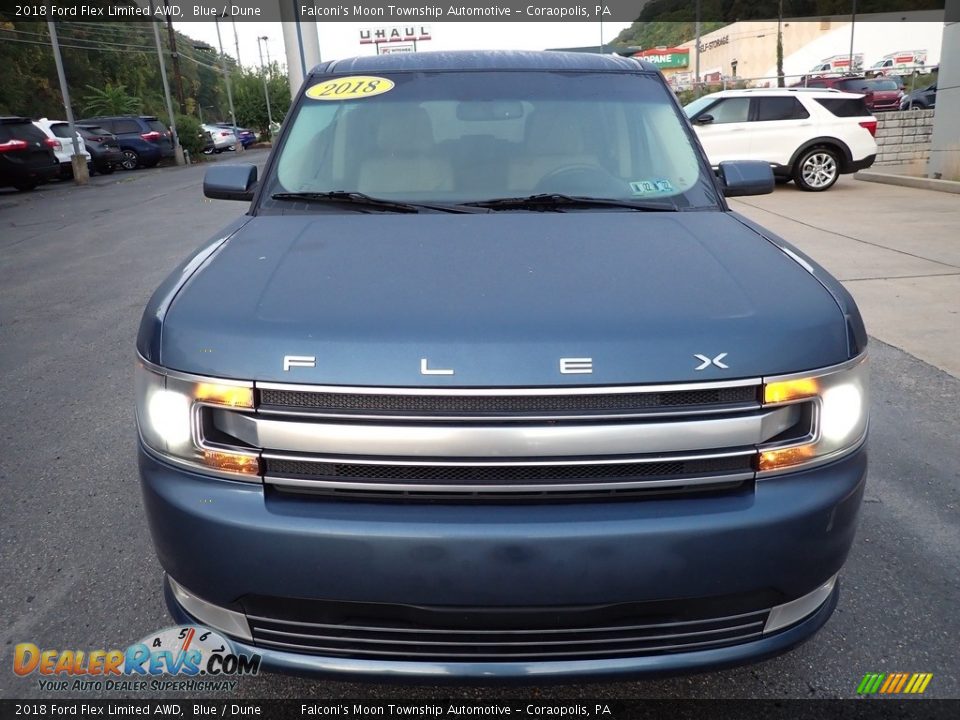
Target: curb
(921, 183)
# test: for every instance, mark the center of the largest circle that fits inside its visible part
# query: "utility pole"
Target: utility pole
(853, 21)
(226, 77)
(236, 41)
(696, 78)
(177, 78)
(780, 78)
(81, 173)
(177, 149)
(266, 91)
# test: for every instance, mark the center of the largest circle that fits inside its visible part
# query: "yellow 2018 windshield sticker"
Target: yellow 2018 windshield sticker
(350, 88)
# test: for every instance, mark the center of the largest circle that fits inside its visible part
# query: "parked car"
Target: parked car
(880, 93)
(27, 155)
(809, 136)
(489, 382)
(59, 131)
(220, 139)
(246, 136)
(103, 146)
(143, 139)
(921, 99)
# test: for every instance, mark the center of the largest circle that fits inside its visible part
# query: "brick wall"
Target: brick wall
(904, 137)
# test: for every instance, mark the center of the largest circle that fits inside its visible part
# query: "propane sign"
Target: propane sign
(665, 57)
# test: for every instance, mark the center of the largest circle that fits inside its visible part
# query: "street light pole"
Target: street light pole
(81, 174)
(266, 92)
(177, 150)
(223, 64)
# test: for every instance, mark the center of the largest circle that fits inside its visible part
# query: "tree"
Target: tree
(111, 100)
(249, 101)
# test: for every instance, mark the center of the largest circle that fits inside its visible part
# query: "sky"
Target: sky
(341, 39)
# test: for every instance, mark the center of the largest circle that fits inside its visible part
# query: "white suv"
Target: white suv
(59, 131)
(809, 135)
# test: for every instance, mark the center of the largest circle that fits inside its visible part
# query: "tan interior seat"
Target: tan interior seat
(553, 142)
(405, 159)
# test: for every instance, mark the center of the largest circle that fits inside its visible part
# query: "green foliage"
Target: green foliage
(249, 99)
(111, 100)
(663, 34)
(190, 134)
(102, 55)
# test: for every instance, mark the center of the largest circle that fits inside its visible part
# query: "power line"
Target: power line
(76, 47)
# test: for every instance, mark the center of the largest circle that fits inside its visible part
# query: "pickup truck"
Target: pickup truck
(490, 383)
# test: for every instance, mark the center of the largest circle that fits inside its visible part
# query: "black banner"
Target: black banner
(454, 709)
(420, 11)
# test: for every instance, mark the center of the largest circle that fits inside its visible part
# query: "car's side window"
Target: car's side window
(780, 108)
(126, 126)
(731, 110)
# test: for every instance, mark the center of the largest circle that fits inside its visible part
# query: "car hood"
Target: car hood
(499, 299)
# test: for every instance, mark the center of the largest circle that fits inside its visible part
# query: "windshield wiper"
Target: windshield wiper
(363, 200)
(559, 200)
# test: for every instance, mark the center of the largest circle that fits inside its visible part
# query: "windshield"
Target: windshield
(457, 137)
(691, 109)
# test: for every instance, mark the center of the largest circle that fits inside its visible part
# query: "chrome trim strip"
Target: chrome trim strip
(167, 372)
(531, 391)
(481, 632)
(818, 372)
(792, 612)
(504, 488)
(507, 657)
(504, 643)
(229, 622)
(491, 441)
(622, 460)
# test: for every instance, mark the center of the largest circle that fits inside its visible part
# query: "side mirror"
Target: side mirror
(703, 119)
(230, 182)
(746, 177)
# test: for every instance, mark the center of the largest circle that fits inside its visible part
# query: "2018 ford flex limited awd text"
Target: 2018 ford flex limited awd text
(490, 382)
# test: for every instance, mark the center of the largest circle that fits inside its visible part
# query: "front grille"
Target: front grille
(497, 405)
(504, 444)
(513, 483)
(507, 474)
(470, 635)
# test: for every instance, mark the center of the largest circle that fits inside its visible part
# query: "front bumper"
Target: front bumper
(227, 542)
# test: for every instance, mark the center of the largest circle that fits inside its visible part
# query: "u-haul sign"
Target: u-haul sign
(394, 34)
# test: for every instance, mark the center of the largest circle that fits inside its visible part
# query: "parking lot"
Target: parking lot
(79, 264)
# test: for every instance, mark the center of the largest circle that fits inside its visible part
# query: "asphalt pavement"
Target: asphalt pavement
(78, 265)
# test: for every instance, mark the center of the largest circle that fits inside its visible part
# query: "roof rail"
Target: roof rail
(790, 89)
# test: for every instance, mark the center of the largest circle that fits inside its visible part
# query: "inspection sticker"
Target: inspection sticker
(651, 187)
(350, 88)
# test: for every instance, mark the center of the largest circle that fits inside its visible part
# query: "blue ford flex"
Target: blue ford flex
(490, 383)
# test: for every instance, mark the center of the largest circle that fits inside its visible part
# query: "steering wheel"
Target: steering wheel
(580, 179)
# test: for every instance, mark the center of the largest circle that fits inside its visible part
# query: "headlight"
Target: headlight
(838, 401)
(170, 409)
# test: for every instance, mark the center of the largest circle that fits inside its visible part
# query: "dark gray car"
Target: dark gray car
(489, 382)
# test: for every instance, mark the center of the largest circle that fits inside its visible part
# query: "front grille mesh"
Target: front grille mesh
(506, 475)
(493, 405)
(565, 640)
